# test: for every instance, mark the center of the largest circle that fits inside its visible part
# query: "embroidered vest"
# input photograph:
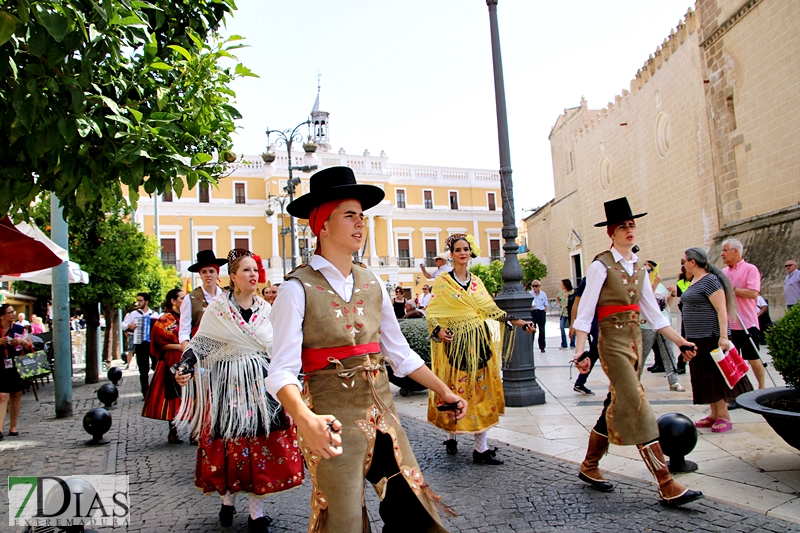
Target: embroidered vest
(329, 321)
(620, 288)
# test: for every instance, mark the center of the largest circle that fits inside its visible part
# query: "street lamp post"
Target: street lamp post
(287, 138)
(306, 250)
(519, 376)
(281, 200)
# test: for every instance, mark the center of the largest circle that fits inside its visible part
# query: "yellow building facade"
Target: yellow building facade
(423, 205)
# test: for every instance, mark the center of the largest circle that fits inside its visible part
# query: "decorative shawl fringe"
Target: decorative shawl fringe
(229, 390)
(475, 321)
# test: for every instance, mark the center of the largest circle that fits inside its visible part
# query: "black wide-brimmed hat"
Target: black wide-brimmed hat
(335, 183)
(617, 211)
(205, 258)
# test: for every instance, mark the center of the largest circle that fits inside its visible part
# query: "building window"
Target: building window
(167, 196)
(570, 160)
(494, 249)
(403, 253)
(401, 198)
(242, 242)
(169, 255)
(240, 195)
(453, 199)
(205, 244)
(428, 199)
(492, 204)
(430, 252)
(205, 196)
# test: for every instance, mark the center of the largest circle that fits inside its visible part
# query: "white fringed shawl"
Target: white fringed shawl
(232, 362)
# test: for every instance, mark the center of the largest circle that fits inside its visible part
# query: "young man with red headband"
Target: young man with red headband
(617, 287)
(335, 322)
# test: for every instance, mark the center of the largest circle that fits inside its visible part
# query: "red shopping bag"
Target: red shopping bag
(731, 364)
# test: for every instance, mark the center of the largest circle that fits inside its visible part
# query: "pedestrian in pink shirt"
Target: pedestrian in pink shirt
(746, 281)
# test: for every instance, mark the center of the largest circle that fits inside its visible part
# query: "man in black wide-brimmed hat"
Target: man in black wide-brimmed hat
(195, 303)
(618, 288)
(335, 322)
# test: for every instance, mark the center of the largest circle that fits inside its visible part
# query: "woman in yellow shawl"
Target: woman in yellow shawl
(468, 334)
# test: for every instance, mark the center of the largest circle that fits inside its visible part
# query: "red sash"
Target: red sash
(607, 310)
(317, 358)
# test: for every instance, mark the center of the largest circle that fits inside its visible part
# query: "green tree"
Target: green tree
(491, 275)
(532, 268)
(120, 260)
(97, 95)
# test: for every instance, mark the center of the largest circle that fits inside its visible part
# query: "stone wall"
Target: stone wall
(703, 142)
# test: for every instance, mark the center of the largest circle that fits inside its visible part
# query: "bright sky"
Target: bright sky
(415, 78)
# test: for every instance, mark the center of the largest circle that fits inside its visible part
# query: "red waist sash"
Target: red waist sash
(317, 358)
(607, 310)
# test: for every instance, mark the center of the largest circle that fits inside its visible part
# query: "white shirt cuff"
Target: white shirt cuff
(276, 381)
(409, 364)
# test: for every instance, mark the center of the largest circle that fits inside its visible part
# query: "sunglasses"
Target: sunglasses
(787, 266)
(537, 285)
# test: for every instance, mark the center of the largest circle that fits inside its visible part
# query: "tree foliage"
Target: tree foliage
(783, 339)
(532, 268)
(491, 275)
(99, 94)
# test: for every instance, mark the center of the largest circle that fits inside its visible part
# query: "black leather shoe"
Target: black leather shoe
(259, 525)
(226, 515)
(601, 485)
(451, 446)
(732, 406)
(686, 497)
(486, 458)
(656, 369)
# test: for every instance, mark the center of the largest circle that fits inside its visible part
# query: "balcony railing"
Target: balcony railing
(430, 261)
(405, 262)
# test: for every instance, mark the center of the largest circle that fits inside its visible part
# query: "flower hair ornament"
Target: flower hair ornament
(452, 239)
(236, 253)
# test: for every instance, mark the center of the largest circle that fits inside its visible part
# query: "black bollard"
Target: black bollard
(108, 394)
(678, 437)
(114, 374)
(96, 423)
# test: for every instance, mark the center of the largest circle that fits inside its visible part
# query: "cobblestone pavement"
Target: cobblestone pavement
(530, 493)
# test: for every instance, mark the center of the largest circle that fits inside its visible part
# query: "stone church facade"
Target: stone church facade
(702, 142)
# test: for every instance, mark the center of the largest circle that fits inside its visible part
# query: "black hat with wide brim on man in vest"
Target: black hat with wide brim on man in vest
(207, 258)
(617, 211)
(335, 183)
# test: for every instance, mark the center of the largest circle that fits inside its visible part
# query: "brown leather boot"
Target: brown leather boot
(672, 493)
(590, 469)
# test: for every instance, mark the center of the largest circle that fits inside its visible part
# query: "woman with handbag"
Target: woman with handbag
(163, 400)
(707, 304)
(247, 444)
(13, 342)
(467, 349)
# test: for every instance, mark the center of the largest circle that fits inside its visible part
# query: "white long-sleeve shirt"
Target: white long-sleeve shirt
(287, 322)
(596, 277)
(185, 328)
(138, 313)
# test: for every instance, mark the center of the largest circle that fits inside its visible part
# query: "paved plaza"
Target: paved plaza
(536, 490)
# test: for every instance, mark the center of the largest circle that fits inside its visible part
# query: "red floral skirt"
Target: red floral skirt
(156, 403)
(257, 465)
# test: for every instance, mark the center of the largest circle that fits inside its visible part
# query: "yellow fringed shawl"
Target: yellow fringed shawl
(466, 313)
